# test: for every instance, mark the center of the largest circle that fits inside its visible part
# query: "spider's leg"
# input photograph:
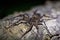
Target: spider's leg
(37, 35)
(36, 27)
(26, 32)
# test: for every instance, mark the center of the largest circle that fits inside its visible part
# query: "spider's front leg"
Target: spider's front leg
(39, 34)
(39, 30)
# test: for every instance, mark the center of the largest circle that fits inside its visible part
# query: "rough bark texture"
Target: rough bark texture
(11, 29)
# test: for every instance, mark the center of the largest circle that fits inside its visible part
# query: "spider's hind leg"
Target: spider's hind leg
(26, 32)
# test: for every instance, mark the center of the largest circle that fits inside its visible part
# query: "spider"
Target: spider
(33, 21)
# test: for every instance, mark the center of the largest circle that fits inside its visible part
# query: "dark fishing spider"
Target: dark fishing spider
(33, 21)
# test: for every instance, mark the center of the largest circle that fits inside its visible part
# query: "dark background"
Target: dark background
(9, 6)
